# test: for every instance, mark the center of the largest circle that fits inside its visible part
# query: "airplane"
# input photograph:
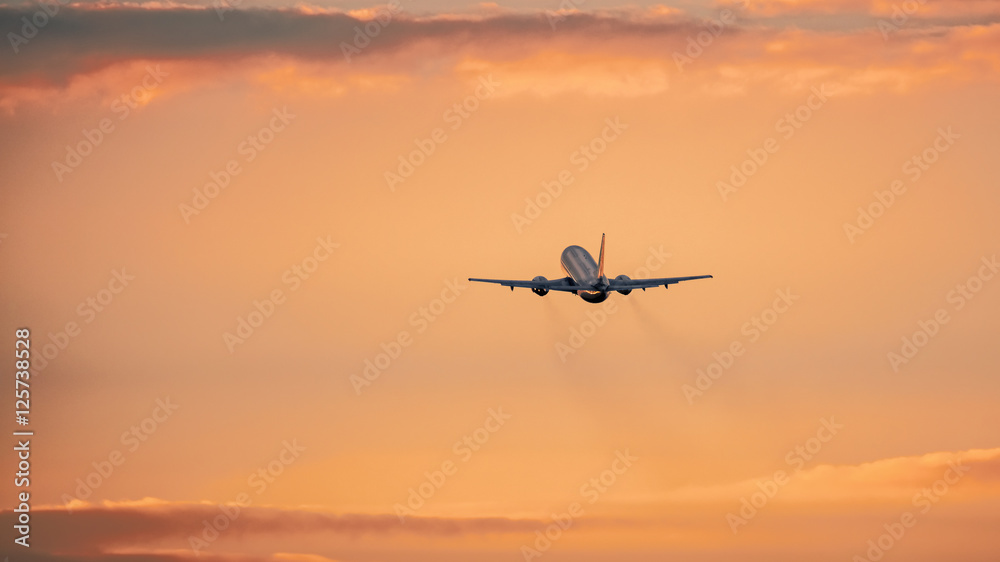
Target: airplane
(586, 279)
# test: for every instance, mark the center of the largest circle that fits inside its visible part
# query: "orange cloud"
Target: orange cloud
(623, 53)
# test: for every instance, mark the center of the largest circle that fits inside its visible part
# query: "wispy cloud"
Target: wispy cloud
(882, 480)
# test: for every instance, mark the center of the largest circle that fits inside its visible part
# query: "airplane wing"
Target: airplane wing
(564, 284)
(615, 285)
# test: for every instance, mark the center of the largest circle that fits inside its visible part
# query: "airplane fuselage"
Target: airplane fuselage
(580, 265)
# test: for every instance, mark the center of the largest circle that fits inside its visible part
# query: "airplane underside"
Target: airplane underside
(593, 296)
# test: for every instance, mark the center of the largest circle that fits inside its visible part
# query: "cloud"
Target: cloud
(117, 527)
(302, 557)
(967, 9)
(884, 480)
(76, 41)
(623, 52)
(150, 529)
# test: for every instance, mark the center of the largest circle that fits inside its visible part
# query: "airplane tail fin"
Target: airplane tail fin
(600, 261)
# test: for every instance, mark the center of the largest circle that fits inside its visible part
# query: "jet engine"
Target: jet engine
(539, 291)
(623, 278)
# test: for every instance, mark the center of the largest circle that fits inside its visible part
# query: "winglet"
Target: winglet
(600, 261)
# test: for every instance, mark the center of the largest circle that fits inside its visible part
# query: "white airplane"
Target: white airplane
(586, 278)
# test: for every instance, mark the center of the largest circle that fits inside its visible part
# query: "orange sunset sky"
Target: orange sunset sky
(240, 233)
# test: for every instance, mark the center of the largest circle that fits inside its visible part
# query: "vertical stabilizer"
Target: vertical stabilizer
(600, 261)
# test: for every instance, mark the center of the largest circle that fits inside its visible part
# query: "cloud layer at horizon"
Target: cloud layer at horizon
(962, 481)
